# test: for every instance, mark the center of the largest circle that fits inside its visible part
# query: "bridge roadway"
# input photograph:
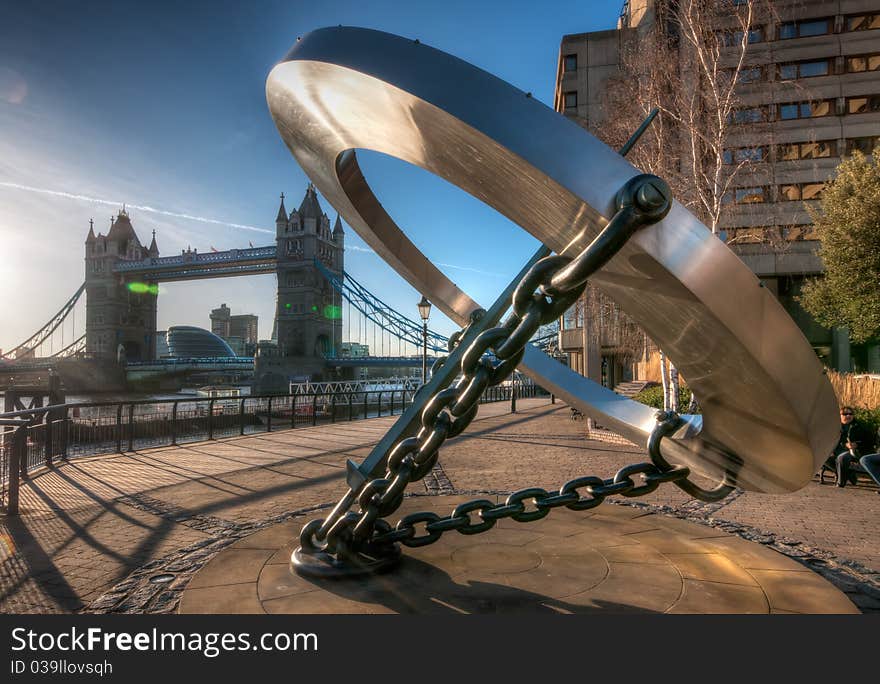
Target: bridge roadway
(193, 266)
(93, 531)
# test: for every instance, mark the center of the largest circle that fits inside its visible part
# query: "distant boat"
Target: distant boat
(226, 398)
(214, 391)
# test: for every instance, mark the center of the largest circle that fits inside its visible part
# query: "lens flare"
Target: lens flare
(143, 288)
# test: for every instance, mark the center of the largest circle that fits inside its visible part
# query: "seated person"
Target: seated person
(871, 464)
(855, 441)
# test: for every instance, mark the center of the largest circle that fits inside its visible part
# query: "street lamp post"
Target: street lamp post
(424, 312)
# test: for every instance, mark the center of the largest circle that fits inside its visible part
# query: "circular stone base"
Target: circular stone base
(613, 558)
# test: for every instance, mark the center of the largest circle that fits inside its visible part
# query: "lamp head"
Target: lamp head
(424, 308)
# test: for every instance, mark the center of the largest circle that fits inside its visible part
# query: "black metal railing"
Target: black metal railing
(40, 437)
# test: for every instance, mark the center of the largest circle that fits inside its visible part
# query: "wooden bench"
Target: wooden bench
(854, 467)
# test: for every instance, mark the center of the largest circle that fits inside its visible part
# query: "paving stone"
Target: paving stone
(802, 592)
(278, 580)
(236, 598)
(270, 538)
(233, 567)
(718, 597)
(710, 567)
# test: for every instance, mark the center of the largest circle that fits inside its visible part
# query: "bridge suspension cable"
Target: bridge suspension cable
(45, 332)
(76, 347)
(380, 313)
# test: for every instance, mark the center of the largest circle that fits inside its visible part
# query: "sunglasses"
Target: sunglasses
(845, 413)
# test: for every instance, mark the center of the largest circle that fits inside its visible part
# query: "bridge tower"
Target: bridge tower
(119, 311)
(309, 310)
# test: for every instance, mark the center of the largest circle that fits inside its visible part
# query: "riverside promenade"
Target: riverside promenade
(128, 533)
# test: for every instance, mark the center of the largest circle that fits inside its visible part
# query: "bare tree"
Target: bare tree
(690, 62)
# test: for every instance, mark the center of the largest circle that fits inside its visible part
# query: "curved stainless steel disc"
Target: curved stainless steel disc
(769, 413)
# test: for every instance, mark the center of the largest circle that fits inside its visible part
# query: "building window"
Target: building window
(570, 99)
(793, 70)
(864, 145)
(738, 155)
(789, 193)
(805, 110)
(569, 63)
(863, 63)
(748, 115)
(751, 75)
(812, 191)
(807, 150)
(862, 105)
(805, 28)
(800, 191)
(814, 27)
(733, 38)
(752, 195)
(755, 195)
(787, 30)
(863, 22)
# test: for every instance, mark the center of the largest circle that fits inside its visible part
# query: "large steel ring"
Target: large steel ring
(769, 412)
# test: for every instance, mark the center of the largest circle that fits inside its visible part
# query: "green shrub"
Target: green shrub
(871, 419)
(653, 396)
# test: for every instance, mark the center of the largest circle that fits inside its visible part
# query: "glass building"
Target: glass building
(189, 342)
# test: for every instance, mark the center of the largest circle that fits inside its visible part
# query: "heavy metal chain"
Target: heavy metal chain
(547, 290)
(451, 410)
(514, 506)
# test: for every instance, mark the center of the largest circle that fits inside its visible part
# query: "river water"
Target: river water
(185, 393)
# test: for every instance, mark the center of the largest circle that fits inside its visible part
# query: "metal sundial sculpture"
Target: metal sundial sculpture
(768, 410)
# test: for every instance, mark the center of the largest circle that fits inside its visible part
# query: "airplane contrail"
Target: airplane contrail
(139, 207)
(472, 270)
(201, 219)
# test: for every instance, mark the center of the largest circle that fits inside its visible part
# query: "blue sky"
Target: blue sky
(162, 106)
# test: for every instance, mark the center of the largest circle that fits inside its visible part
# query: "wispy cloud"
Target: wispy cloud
(139, 207)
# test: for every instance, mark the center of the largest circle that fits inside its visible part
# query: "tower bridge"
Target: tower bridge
(122, 276)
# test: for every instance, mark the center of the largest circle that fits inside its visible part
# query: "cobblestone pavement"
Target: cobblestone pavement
(125, 533)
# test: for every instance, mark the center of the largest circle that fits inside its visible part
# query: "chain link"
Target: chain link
(546, 291)
(596, 490)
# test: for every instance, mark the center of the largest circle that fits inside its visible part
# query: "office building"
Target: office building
(809, 92)
(239, 331)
